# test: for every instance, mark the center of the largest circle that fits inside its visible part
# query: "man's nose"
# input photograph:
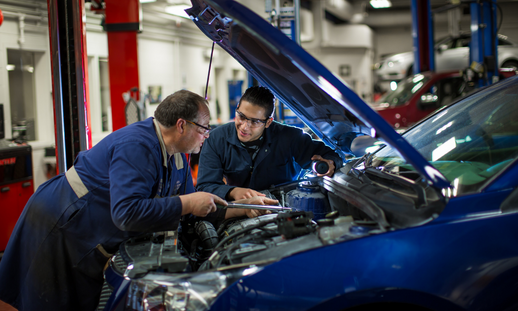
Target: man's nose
(247, 123)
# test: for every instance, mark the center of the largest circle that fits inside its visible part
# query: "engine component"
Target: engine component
(320, 167)
(295, 224)
(307, 197)
(161, 253)
(207, 234)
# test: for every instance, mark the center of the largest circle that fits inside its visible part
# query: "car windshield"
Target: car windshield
(468, 142)
(405, 89)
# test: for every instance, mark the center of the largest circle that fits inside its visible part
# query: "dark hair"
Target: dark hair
(181, 104)
(260, 96)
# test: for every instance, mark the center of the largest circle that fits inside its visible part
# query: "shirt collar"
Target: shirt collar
(178, 161)
(161, 140)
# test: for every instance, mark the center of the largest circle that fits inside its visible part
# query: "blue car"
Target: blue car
(427, 222)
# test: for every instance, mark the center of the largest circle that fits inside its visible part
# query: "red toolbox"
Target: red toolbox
(16, 187)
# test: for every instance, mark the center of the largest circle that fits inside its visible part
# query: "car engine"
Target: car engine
(312, 222)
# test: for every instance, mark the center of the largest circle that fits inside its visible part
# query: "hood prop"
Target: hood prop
(208, 74)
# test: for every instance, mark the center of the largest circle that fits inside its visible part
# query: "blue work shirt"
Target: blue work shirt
(285, 150)
(124, 185)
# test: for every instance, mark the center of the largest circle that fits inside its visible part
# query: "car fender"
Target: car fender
(380, 297)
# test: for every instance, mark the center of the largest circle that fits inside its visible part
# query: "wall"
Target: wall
(172, 54)
(35, 39)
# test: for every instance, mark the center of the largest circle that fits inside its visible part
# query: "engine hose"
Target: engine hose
(207, 234)
(226, 222)
(261, 224)
(228, 252)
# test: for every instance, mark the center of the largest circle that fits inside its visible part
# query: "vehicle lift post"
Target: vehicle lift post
(122, 24)
(422, 34)
(484, 41)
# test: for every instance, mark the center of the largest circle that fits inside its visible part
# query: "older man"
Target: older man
(135, 180)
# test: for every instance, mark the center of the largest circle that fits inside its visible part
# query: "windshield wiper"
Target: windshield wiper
(351, 170)
(418, 189)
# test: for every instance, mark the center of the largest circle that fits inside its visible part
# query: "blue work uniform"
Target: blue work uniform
(125, 185)
(285, 150)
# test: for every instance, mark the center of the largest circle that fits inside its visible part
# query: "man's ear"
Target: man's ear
(180, 125)
(270, 120)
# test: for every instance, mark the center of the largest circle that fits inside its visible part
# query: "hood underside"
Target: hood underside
(325, 104)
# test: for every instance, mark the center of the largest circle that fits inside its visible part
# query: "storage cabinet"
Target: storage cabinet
(16, 187)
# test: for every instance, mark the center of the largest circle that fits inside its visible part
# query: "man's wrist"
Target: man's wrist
(186, 207)
(229, 196)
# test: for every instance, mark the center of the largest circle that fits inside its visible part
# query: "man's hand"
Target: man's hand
(251, 213)
(259, 200)
(331, 164)
(243, 193)
(200, 203)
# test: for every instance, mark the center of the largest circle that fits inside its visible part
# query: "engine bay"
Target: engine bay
(316, 218)
(313, 212)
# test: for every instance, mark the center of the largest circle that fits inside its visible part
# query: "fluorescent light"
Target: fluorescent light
(10, 67)
(147, 1)
(178, 10)
(381, 4)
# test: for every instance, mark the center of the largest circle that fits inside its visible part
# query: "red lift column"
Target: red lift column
(122, 23)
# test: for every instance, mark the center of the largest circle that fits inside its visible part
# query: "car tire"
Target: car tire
(510, 64)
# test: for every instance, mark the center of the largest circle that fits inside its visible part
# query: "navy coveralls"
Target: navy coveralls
(285, 150)
(74, 222)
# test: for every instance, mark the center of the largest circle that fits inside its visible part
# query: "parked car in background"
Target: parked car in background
(427, 222)
(451, 53)
(417, 96)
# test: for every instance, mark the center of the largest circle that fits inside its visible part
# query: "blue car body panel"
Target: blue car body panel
(463, 264)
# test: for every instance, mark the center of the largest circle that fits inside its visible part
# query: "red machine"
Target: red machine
(16, 187)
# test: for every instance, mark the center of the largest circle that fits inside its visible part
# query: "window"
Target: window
(20, 67)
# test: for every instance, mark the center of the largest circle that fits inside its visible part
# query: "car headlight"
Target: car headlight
(190, 292)
(393, 63)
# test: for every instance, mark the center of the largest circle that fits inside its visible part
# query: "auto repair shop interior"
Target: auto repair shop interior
(407, 61)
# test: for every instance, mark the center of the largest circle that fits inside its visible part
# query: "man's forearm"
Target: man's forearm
(235, 212)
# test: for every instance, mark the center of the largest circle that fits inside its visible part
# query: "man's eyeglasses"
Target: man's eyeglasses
(251, 122)
(206, 129)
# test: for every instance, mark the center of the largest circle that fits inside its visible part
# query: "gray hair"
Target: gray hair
(182, 104)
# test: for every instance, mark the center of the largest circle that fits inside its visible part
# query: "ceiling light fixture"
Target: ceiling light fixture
(380, 4)
(178, 10)
(147, 1)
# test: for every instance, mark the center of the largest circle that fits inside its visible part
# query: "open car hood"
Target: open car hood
(324, 103)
